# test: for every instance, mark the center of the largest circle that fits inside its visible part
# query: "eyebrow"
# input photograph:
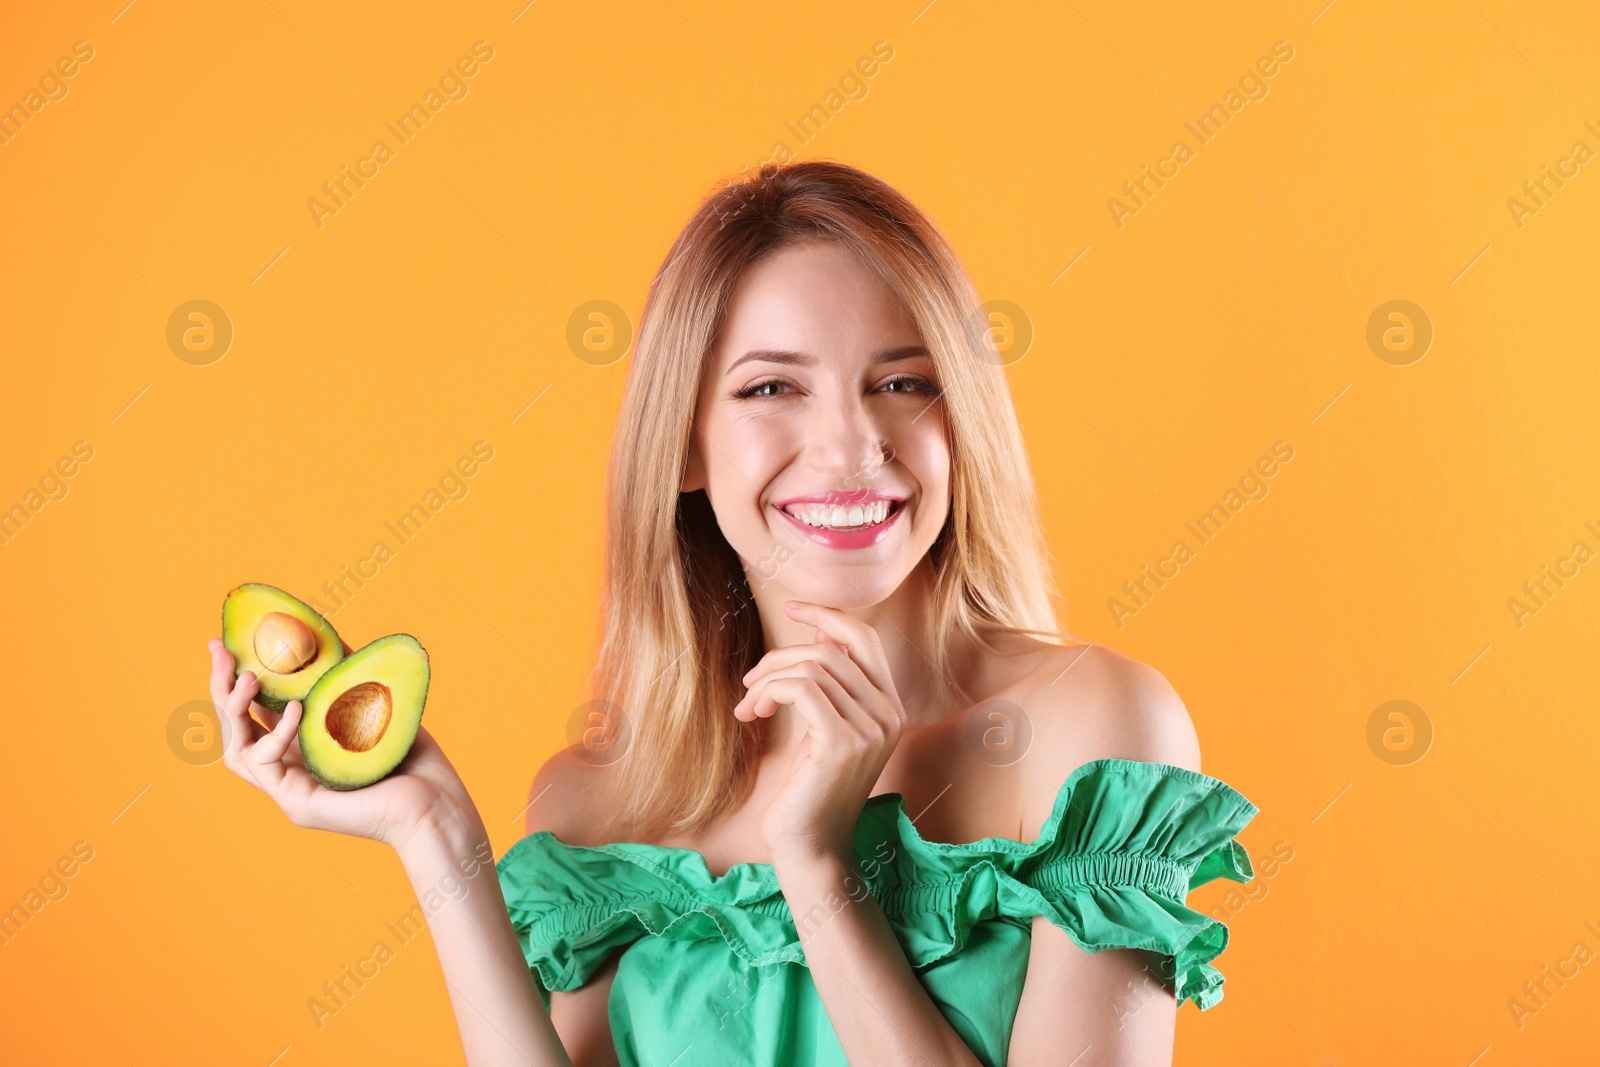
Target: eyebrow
(801, 359)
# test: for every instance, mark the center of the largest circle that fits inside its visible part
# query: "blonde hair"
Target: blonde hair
(679, 628)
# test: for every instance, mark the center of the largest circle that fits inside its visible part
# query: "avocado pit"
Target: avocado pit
(364, 713)
(283, 643)
(359, 716)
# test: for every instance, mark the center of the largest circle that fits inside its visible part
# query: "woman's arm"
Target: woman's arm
(876, 1003)
(560, 802)
(1112, 1008)
(499, 1014)
(842, 688)
(424, 812)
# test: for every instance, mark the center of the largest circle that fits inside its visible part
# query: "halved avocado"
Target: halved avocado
(361, 717)
(287, 645)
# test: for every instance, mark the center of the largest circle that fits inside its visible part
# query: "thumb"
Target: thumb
(275, 744)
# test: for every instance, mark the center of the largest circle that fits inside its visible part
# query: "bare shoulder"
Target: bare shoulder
(1092, 700)
(1086, 702)
(560, 799)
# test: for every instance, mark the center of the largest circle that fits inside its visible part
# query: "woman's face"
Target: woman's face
(819, 367)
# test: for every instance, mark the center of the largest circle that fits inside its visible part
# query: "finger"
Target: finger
(221, 672)
(862, 641)
(272, 747)
(235, 707)
(222, 683)
(264, 762)
(266, 715)
(750, 706)
(809, 680)
(744, 709)
(292, 757)
(809, 698)
(881, 707)
(827, 652)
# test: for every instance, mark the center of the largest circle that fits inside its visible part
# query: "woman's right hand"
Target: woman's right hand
(424, 789)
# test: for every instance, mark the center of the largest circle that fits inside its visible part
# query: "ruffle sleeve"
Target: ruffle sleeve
(572, 905)
(1112, 865)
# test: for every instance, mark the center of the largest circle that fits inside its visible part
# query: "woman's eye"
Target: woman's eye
(761, 389)
(907, 386)
(911, 386)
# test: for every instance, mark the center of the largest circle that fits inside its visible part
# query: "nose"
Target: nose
(845, 442)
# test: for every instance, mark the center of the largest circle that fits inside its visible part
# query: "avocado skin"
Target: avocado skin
(310, 743)
(297, 607)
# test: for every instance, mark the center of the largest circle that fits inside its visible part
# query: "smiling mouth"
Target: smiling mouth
(852, 518)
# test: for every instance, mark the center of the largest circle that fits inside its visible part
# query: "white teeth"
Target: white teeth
(840, 517)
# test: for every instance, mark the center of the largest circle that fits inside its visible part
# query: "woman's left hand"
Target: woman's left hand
(842, 688)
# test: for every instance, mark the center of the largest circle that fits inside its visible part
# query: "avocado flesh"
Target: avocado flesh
(243, 611)
(361, 717)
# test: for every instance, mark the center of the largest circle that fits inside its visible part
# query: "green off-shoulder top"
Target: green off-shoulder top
(713, 969)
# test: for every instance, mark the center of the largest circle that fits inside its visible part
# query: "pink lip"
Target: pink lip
(846, 538)
(839, 498)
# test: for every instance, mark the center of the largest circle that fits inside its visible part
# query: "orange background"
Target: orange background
(1230, 312)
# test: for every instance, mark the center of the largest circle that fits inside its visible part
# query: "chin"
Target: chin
(846, 587)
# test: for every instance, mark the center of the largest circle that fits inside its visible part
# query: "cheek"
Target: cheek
(923, 466)
(925, 455)
(747, 454)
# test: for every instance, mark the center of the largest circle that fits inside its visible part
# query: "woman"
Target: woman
(834, 691)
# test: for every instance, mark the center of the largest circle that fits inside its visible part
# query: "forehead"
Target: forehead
(816, 298)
